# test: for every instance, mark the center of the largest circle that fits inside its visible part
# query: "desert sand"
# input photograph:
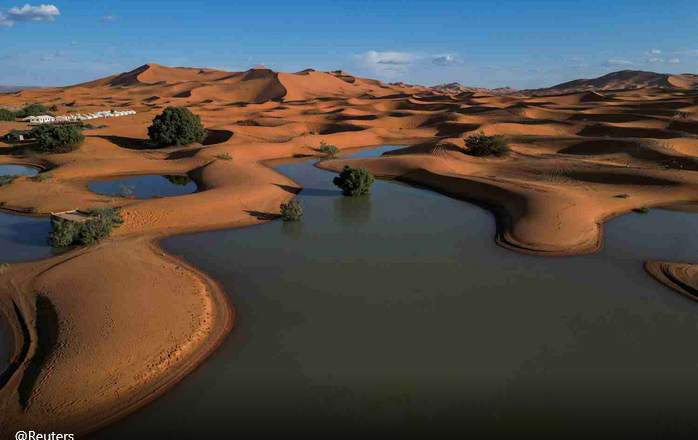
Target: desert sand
(130, 321)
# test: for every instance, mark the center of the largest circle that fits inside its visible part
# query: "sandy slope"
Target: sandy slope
(573, 155)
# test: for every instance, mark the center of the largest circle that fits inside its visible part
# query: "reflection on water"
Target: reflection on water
(23, 239)
(145, 187)
(400, 314)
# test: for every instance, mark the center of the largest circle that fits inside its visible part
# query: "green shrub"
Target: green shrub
(57, 138)
(330, 150)
(622, 196)
(32, 110)
(53, 108)
(63, 232)
(66, 233)
(177, 126)
(292, 211)
(3, 268)
(482, 145)
(41, 177)
(178, 180)
(7, 179)
(224, 156)
(6, 115)
(642, 210)
(354, 181)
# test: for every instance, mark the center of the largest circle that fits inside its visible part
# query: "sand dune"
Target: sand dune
(575, 151)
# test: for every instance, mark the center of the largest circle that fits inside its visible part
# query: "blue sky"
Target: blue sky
(522, 44)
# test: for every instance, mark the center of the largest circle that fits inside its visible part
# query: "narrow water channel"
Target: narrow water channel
(398, 313)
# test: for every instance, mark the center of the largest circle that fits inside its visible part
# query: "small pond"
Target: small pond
(144, 187)
(24, 239)
(17, 170)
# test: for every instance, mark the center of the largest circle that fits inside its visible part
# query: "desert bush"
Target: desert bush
(66, 233)
(354, 181)
(177, 126)
(622, 196)
(32, 110)
(41, 177)
(4, 267)
(482, 145)
(53, 108)
(330, 150)
(57, 138)
(6, 115)
(63, 232)
(292, 211)
(178, 180)
(224, 156)
(642, 210)
(7, 179)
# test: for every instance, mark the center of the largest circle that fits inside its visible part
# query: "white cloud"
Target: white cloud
(33, 13)
(655, 51)
(674, 61)
(575, 59)
(5, 21)
(29, 13)
(108, 19)
(687, 52)
(656, 60)
(74, 43)
(620, 62)
(446, 60)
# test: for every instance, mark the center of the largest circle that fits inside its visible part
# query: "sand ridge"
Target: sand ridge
(578, 159)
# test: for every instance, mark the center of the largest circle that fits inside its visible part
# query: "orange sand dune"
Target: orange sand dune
(573, 153)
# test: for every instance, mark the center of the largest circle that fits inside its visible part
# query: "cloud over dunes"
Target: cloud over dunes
(108, 19)
(29, 13)
(446, 60)
(389, 64)
(620, 62)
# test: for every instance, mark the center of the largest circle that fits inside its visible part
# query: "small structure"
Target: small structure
(75, 215)
(18, 135)
(42, 119)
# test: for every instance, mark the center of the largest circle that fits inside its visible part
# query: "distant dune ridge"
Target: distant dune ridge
(623, 80)
(10, 89)
(261, 84)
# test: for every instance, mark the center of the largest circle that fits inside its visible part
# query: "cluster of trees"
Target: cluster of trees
(32, 110)
(177, 126)
(57, 138)
(68, 233)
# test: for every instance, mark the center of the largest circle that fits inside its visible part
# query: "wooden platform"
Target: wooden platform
(74, 216)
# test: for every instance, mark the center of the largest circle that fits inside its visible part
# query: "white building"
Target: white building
(43, 119)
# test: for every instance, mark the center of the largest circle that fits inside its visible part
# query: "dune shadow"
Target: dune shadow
(217, 137)
(263, 215)
(129, 143)
(289, 189)
(14, 366)
(47, 336)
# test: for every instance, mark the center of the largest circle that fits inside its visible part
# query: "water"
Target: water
(23, 239)
(145, 187)
(18, 170)
(398, 313)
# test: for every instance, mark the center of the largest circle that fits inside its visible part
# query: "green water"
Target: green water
(398, 314)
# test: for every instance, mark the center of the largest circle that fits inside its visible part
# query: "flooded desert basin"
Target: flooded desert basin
(144, 187)
(399, 313)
